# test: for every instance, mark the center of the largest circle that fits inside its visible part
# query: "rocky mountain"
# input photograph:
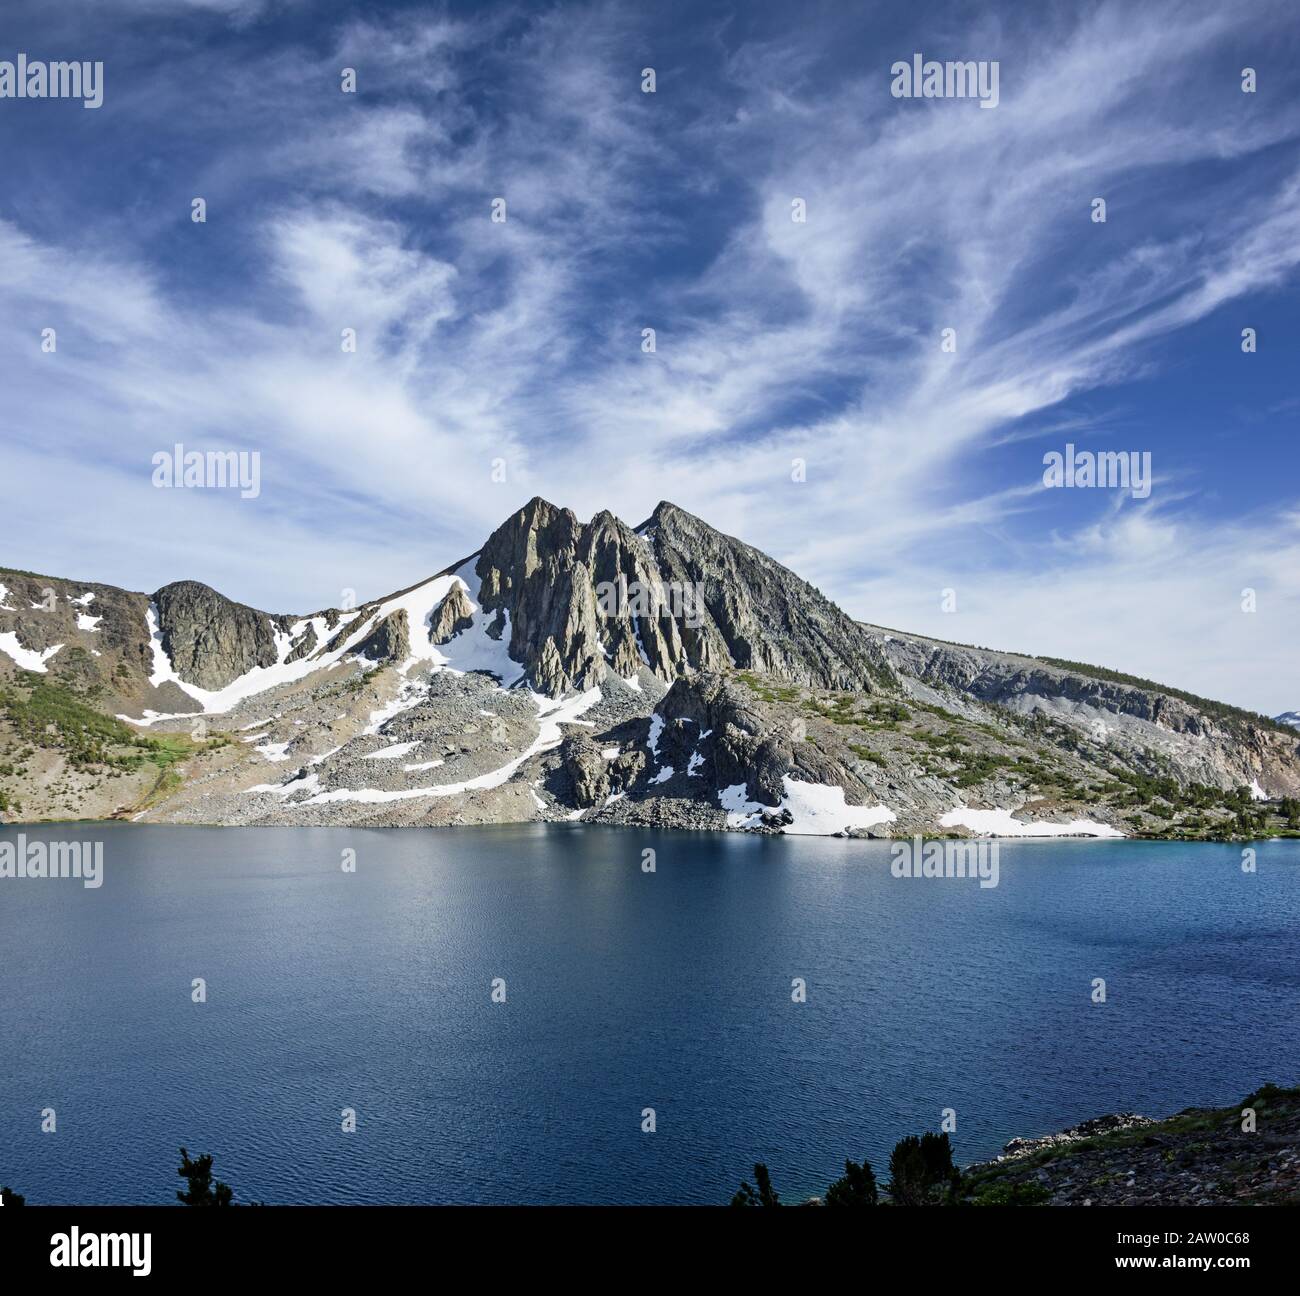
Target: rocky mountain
(664, 674)
(674, 596)
(1291, 718)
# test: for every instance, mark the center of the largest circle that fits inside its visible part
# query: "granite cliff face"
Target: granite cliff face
(211, 640)
(662, 674)
(673, 595)
(544, 570)
(760, 616)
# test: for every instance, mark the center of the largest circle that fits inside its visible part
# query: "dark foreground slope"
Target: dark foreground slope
(1244, 1155)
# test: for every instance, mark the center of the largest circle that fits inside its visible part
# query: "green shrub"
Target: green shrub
(1012, 1194)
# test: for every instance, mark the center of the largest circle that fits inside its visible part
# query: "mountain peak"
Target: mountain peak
(666, 512)
(537, 507)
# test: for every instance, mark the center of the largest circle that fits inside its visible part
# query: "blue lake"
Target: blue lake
(624, 990)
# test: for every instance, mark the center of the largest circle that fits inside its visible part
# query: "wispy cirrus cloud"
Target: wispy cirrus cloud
(520, 342)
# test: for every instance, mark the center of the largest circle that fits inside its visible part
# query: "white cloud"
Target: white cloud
(775, 340)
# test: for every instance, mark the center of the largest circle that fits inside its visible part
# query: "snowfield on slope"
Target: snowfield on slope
(1001, 823)
(27, 658)
(551, 715)
(258, 680)
(473, 649)
(819, 810)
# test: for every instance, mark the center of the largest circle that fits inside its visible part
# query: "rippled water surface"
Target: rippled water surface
(624, 990)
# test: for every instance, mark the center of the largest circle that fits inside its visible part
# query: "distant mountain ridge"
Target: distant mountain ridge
(663, 673)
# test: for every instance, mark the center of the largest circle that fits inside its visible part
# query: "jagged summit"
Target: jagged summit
(663, 511)
(588, 598)
(541, 510)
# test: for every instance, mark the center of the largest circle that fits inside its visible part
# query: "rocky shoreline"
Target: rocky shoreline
(1244, 1155)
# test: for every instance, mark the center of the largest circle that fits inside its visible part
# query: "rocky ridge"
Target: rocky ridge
(664, 675)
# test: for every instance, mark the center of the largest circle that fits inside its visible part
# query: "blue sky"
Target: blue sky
(775, 340)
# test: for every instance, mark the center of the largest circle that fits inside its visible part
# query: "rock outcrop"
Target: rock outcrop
(450, 617)
(212, 640)
(583, 600)
(390, 641)
(757, 615)
(1155, 729)
(675, 596)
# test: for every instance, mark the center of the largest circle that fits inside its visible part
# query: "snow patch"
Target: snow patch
(656, 732)
(472, 649)
(1000, 823)
(27, 658)
(257, 680)
(818, 810)
(85, 622)
(740, 809)
(305, 783)
(409, 696)
(393, 752)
